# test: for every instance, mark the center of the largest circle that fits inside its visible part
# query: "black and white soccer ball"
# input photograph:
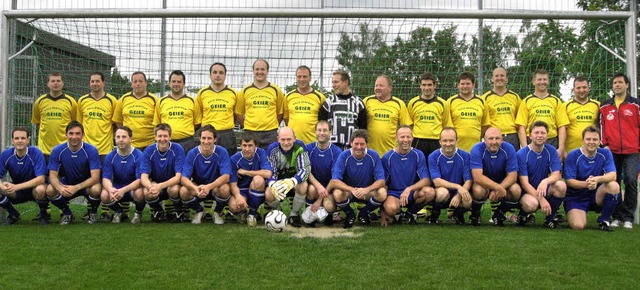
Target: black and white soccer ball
(275, 221)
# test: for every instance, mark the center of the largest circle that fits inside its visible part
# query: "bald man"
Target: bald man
(494, 168)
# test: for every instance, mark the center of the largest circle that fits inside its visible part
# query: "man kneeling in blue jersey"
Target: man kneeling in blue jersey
(590, 174)
(205, 175)
(74, 170)
(407, 178)
(358, 176)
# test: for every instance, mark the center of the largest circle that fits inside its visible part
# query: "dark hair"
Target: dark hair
(590, 129)
(304, 67)
(162, 126)
(127, 129)
(178, 73)
(74, 124)
(139, 73)
(580, 79)
(359, 133)
(617, 75)
(467, 76)
(97, 73)
(428, 76)
(19, 129)
(323, 122)
(248, 137)
(209, 128)
(344, 75)
(220, 64)
(539, 124)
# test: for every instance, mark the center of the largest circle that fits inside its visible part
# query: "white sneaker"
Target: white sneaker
(116, 218)
(615, 224)
(218, 219)
(197, 218)
(628, 225)
(251, 220)
(137, 218)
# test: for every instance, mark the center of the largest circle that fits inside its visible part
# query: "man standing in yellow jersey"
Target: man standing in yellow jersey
(543, 106)
(95, 111)
(136, 110)
(262, 104)
(384, 114)
(220, 107)
(51, 114)
(302, 105)
(180, 111)
(467, 113)
(503, 104)
(427, 113)
(582, 113)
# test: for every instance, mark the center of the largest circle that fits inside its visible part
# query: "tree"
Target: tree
(120, 85)
(496, 50)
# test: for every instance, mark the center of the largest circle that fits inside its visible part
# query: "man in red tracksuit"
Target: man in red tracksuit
(619, 119)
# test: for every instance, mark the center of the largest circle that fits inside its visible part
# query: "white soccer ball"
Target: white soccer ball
(275, 221)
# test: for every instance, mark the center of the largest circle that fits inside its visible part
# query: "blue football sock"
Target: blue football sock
(371, 205)
(94, 203)
(140, 206)
(555, 203)
(115, 206)
(194, 204)
(60, 202)
(256, 198)
(346, 208)
(609, 204)
(43, 205)
(4, 203)
(155, 204)
(220, 203)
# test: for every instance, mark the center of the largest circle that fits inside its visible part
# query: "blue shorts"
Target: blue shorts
(585, 202)
(22, 196)
(397, 194)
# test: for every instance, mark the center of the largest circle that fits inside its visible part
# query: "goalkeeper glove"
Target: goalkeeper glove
(281, 187)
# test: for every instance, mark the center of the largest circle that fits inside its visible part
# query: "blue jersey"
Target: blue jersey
(257, 162)
(293, 163)
(358, 172)
(496, 165)
(76, 166)
(538, 166)
(322, 161)
(122, 170)
(25, 168)
(579, 166)
(162, 166)
(205, 170)
(403, 170)
(455, 169)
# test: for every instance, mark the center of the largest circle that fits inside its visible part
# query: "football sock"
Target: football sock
(208, 205)
(298, 202)
(43, 205)
(555, 203)
(4, 203)
(220, 203)
(115, 206)
(169, 206)
(194, 204)
(495, 205)
(256, 198)
(155, 204)
(94, 204)
(476, 207)
(177, 204)
(371, 205)
(139, 206)
(609, 204)
(60, 202)
(274, 205)
(346, 208)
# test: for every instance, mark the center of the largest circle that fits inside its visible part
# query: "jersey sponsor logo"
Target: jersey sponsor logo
(95, 114)
(547, 112)
(494, 156)
(163, 159)
(176, 113)
(321, 155)
(584, 117)
(302, 108)
(54, 114)
(218, 106)
(359, 163)
(207, 161)
(20, 163)
(504, 110)
(74, 156)
(136, 112)
(427, 118)
(378, 115)
(123, 161)
(468, 114)
(449, 161)
(260, 103)
(592, 161)
(627, 112)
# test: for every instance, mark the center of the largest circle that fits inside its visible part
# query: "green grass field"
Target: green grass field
(232, 256)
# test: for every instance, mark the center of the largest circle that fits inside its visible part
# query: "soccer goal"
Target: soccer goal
(367, 42)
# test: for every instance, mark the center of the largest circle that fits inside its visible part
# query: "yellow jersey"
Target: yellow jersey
(53, 115)
(261, 107)
(137, 114)
(502, 110)
(97, 116)
(550, 110)
(182, 115)
(383, 119)
(468, 117)
(301, 111)
(580, 116)
(427, 116)
(218, 108)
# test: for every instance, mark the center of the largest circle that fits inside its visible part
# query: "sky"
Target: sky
(285, 43)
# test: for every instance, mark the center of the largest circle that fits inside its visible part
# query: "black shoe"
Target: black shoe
(84, 217)
(207, 216)
(11, 219)
(475, 221)
(46, 216)
(364, 219)
(158, 216)
(559, 219)
(171, 217)
(124, 217)
(373, 216)
(294, 221)
(459, 220)
(349, 221)
(498, 221)
(184, 218)
(605, 227)
(551, 224)
(434, 218)
(328, 221)
(105, 217)
(523, 218)
(412, 219)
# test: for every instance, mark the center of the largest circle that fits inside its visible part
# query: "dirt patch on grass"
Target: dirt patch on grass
(323, 233)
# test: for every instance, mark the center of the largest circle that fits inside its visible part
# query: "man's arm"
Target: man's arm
(562, 137)
(186, 182)
(440, 182)
(29, 184)
(483, 180)
(222, 179)
(94, 179)
(171, 181)
(264, 173)
(522, 136)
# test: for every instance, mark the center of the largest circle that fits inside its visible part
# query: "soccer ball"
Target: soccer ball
(275, 221)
